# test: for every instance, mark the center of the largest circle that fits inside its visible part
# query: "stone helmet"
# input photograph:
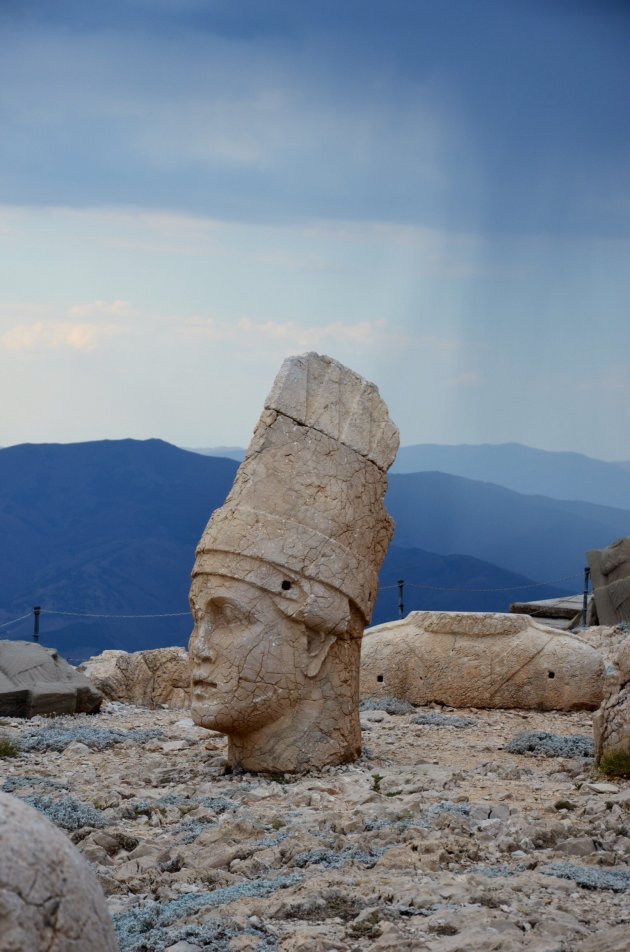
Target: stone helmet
(305, 520)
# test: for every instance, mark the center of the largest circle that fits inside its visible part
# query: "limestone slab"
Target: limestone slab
(37, 680)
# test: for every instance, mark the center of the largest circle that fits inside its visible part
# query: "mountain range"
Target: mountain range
(109, 528)
(560, 475)
(525, 470)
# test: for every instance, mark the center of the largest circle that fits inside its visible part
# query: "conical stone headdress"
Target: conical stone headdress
(306, 518)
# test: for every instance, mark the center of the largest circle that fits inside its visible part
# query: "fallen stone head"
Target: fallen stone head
(286, 573)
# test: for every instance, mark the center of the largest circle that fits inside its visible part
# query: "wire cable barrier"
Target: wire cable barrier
(14, 621)
(383, 588)
(53, 611)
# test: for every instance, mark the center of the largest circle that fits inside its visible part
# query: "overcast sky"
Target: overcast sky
(435, 192)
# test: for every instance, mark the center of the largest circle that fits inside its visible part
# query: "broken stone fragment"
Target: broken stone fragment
(610, 574)
(147, 678)
(286, 573)
(36, 680)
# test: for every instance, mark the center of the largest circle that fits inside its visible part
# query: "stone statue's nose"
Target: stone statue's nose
(202, 646)
(205, 652)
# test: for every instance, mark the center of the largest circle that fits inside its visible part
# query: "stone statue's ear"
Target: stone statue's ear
(318, 646)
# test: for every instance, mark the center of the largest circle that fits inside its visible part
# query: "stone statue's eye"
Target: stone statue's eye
(286, 585)
(231, 615)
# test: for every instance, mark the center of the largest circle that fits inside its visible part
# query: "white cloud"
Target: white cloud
(100, 308)
(289, 333)
(31, 327)
(57, 335)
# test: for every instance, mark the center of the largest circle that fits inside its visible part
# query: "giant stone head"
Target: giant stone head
(286, 573)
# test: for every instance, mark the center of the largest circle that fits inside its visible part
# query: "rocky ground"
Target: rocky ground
(439, 839)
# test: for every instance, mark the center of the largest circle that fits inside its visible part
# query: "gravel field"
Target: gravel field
(457, 831)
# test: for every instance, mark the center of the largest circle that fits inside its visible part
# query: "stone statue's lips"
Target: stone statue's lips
(199, 687)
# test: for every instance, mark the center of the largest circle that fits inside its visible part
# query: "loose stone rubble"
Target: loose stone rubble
(437, 839)
(148, 678)
(286, 573)
(610, 574)
(611, 723)
(36, 680)
(485, 660)
(49, 897)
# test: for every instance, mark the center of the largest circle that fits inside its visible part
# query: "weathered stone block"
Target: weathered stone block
(610, 574)
(36, 680)
(611, 723)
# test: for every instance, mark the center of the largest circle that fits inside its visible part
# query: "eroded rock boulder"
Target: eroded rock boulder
(49, 896)
(611, 723)
(485, 660)
(37, 680)
(286, 573)
(147, 678)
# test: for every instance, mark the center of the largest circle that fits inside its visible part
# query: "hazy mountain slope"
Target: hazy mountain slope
(450, 583)
(229, 452)
(538, 537)
(525, 470)
(107, 527)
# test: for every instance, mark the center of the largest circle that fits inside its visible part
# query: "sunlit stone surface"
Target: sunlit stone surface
(480, 659)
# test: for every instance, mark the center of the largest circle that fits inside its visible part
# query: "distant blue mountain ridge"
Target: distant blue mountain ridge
(109, 528)
(560, 475)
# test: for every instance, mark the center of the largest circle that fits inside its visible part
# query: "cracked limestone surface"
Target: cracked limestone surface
(438, 838)
(50, 900)
(611, 724)
(150, 678)
(286, 573)
(485, 660)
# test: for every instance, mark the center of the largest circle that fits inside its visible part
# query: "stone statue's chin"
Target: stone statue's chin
(229, 717)
(215, 715)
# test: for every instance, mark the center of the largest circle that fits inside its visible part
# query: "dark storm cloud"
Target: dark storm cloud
(487, 115)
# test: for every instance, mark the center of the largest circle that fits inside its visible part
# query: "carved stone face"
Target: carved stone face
(248, 660)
